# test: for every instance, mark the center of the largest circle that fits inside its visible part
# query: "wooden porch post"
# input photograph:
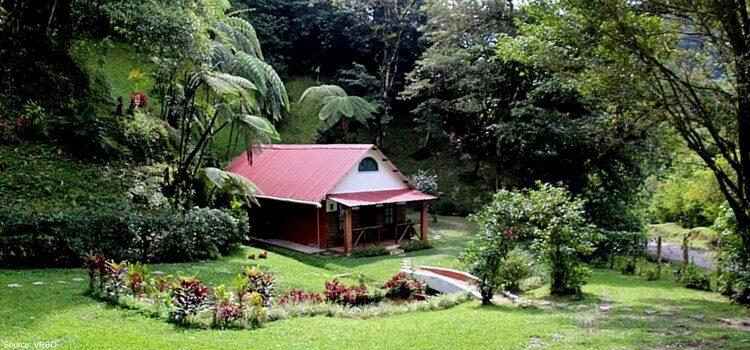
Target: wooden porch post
(347, 230)
(423, 221)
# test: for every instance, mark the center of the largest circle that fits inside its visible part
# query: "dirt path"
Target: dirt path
(673, 252)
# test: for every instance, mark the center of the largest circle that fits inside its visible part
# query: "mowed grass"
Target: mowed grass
(62, 313)
(701, 237)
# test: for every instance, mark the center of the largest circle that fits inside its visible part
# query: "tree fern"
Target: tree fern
(223, 182)
(353, 107)
(311, 100)
(249, 67)
(245, 30)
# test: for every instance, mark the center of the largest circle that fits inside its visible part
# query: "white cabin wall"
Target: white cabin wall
(383, 179)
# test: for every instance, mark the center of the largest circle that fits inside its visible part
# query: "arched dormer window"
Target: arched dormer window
(368, 164)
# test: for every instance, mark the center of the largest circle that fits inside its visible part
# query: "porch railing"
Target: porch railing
(405, 230)
(365, 232)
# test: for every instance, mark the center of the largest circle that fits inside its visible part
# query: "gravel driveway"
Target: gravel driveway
(673, 252)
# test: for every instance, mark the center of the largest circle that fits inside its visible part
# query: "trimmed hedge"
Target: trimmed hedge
(368, 252)
(59, 239)
(411, 246)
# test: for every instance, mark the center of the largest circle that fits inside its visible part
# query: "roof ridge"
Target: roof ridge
(319, 146)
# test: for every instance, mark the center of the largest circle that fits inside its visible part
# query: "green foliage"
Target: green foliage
(547, 215)
(413, 246)
(517, 266)
(118, 229)
(145, 138)
(692, 278)
(228, 186)
(369, 252)
(563, 237)
(691, 198)
(332, 105)
(614, 244)
(499, 224)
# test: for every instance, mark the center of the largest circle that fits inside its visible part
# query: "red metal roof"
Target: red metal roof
(302, 173)
(380, 197)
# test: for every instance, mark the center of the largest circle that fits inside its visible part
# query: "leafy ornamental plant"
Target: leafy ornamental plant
(333, 105)
(95, 266)
(404, 286)
(188, 298)
(260, 282)
(297, 296)
(137, 278)
(116, 273)
(336, 292)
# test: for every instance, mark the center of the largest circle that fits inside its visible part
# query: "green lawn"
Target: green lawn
(60, 312)
(672, 232)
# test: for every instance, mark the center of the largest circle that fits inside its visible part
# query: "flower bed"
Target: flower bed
(250, 300)
(183, 300)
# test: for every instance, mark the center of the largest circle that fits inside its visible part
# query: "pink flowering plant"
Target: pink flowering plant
(336, 292)
(297, 296)
(404, 286)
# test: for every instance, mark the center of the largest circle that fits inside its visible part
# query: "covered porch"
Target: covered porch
(372, 219)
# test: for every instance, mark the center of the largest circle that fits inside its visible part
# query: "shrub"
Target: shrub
(549, 216)
(411, 246)
(188, 298)
(404, 286)
(226, 311)
(297, 296)
(369, 252)
(517, 266)
(348, 295)
(692, 278)
(144, 137)
(95, 266)
(119, 230)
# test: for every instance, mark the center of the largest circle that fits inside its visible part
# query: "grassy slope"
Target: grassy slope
(674, 233)
(37, 176)
(56, 311)
(115, 61)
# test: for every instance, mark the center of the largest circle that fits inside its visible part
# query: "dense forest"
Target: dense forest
(117, 117)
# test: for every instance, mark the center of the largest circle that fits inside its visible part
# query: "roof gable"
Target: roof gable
(387, 177)
(304, 173)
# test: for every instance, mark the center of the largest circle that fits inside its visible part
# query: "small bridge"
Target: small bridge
(447, 281)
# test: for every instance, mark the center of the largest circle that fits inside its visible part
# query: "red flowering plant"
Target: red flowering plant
(138, 99)
(297, 296)
(404, 286)
(349, 295)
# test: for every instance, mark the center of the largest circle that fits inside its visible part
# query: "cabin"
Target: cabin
(330, 197)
